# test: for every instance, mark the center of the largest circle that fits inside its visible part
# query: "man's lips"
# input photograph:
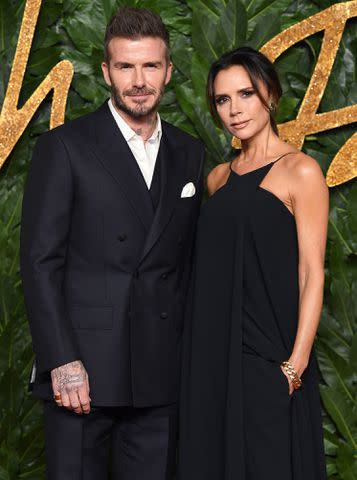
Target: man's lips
(240, 124)
(139, 96)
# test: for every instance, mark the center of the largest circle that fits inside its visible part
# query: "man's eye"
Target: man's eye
(152, 66)
(125, 67)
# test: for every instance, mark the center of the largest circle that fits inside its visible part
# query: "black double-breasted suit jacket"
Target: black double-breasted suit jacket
(105, 273)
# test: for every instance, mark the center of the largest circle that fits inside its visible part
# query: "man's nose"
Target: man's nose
(139, 78)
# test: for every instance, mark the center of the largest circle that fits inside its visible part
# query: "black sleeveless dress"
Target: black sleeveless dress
(238, 421)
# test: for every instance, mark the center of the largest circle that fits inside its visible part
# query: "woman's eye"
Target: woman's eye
(221, 100)
(247, 93)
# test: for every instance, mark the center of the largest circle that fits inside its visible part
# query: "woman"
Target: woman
(256, 296)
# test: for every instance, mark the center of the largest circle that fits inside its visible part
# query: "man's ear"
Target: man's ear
(168, 73)
(105, 70)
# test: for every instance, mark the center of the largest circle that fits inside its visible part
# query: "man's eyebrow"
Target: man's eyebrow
(128, 64)
(120, 64)
(157, 63)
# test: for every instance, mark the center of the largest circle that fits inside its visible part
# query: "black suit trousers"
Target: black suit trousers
(117, 443)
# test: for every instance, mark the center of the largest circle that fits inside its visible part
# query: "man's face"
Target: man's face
(137, 73)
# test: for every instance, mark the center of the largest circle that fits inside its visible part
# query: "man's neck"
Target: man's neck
(143, 126)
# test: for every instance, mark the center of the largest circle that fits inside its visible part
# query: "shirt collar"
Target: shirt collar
(128, 132)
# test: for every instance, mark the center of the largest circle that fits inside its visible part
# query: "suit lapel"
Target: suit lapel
(114, 153)
(172, 160)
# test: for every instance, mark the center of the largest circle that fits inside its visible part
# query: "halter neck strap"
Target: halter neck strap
(281, 156)
(270, 163)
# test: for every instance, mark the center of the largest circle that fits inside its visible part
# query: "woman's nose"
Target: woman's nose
(235, 108)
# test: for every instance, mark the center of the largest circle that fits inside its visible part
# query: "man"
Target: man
(109, 213)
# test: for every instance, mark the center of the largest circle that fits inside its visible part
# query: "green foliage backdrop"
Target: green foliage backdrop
(200, 30)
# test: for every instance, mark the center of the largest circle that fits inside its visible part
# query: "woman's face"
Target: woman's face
(238, 105)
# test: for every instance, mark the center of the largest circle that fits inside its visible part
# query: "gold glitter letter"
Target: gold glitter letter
(332, 21)
(13, 121)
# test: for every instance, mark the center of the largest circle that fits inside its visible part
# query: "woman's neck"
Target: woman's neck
(260, 147)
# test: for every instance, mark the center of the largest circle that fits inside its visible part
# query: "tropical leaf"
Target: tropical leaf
(341, 89)
(338, 373)
(86, 28)
(206, 39)
(264, 20)
(7, 29)
(200, 31)
(182, 55)
(233, 25)
(346, 462)
(196, 111)
(342, 412)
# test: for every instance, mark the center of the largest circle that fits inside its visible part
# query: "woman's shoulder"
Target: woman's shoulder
(304, 175)
(217, 177)
(302, 166)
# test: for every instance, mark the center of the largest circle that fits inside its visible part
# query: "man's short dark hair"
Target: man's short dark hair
(135, 23)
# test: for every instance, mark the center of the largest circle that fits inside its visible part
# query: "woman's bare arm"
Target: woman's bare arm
(310, 199)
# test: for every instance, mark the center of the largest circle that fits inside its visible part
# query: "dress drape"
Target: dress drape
(238, 421)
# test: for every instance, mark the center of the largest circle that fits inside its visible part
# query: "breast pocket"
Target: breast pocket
(187, 199)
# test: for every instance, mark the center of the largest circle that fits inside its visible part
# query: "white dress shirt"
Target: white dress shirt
(145, 153)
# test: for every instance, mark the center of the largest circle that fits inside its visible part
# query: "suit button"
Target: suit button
(163, 315)
(136, 274)
(122, 237)
(164, 276)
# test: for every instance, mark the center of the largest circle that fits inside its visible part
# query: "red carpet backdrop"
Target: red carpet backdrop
(50, 56)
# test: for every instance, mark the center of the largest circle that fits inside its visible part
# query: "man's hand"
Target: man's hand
(70, 384)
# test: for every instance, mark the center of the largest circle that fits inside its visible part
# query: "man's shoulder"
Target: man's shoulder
(74, 128)
(180, 136)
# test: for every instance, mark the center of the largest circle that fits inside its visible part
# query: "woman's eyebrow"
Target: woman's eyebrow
(238, 91)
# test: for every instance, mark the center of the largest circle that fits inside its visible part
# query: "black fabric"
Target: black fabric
(237, 418)
(104, 273)
(155, 187)
(122, 443)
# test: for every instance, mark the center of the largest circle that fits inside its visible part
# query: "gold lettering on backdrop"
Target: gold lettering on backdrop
(13, 121)
(332, 21)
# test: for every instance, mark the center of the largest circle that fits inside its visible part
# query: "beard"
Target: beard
(140, 110)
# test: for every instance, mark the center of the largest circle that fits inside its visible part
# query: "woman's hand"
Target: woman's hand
(299, 367)
(291, 386)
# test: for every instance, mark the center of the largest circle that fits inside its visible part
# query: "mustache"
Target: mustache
(139, 91)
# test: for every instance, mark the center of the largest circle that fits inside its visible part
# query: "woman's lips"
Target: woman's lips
(240, 125)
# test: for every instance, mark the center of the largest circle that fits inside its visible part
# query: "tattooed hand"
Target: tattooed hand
(71, 382)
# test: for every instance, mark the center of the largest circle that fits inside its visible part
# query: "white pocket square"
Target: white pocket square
(188, 190)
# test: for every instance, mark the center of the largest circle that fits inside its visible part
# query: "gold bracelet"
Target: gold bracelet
(294, 377)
